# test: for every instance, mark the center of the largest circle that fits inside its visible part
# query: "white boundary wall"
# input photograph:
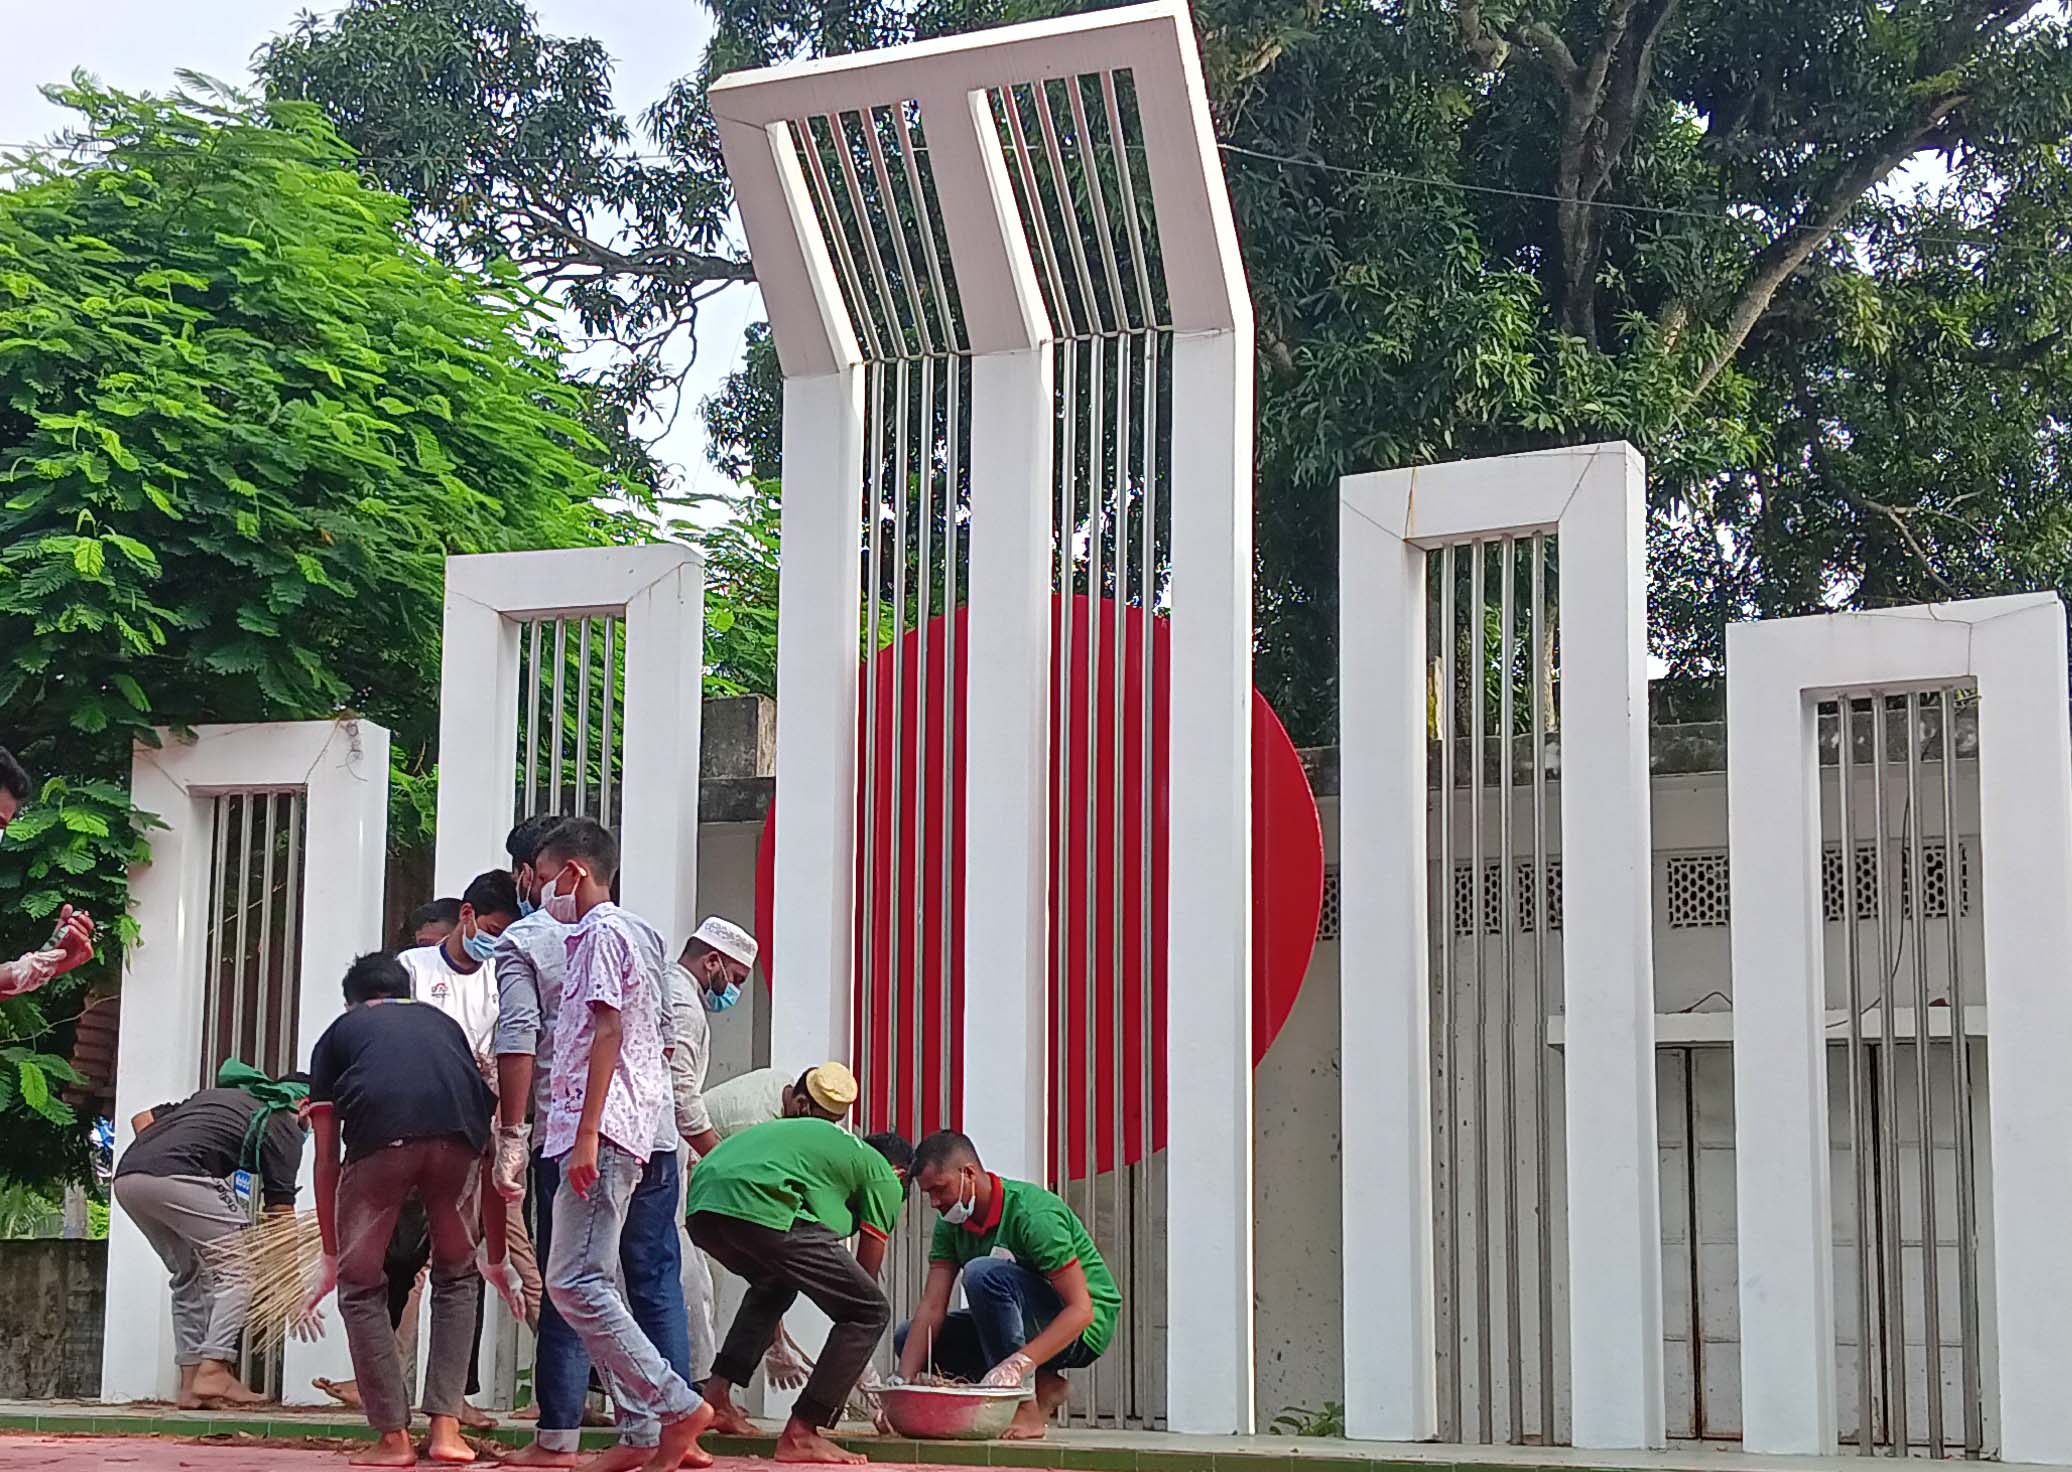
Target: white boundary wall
(1594, 498)
(1210, 1371)
(2014, 649)
(342, 769)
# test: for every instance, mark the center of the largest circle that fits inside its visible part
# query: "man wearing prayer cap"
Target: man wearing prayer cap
(705, 979)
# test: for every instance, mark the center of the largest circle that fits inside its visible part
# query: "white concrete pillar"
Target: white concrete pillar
(1209, 1208)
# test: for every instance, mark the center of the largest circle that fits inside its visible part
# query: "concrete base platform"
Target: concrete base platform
(120, 1434)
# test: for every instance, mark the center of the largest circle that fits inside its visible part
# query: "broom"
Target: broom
(273, 1261)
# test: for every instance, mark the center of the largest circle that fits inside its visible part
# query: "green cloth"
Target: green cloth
(274, 1096)
(777, 1172)
(1045, 1236)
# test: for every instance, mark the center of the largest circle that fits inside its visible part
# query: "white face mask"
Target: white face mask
(561, 907)
(960, 1213)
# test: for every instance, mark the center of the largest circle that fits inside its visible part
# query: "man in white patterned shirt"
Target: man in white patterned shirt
(610, 1103)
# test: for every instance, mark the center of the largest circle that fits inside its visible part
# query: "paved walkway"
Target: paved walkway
(152, 1454)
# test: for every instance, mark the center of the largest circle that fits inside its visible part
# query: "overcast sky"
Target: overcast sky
(138, 44)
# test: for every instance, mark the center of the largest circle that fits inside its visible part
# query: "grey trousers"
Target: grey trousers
(697, 1288)
(177, 1214)
(371, 1189)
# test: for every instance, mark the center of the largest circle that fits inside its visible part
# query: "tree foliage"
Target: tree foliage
(243, 420)
(1479, 226)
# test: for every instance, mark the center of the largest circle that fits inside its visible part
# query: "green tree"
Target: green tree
(1479, 226)
(243, 420)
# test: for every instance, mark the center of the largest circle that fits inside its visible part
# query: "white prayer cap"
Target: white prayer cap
(729, 939)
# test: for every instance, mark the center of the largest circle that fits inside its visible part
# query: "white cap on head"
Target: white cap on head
(729, 939)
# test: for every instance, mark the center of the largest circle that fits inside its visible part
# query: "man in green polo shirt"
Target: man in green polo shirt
(773, 1205)
(1049, 1304)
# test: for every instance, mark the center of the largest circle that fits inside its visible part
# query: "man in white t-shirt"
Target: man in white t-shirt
(458, 975)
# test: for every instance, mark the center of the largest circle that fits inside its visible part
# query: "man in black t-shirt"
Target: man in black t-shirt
(396, 1081)
(186, 1180)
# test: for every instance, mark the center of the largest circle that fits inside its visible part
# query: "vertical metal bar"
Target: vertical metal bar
(1960, 1068)
(291, 931)
(845, 155)
(583, 716)
(946, 1103)
(1542, 913)
(261, 1056)
(1098, 198)
(1485, 1317)
(1061, 785)
(1507, 1032)
(1039, 225)
(900, 973)
(244, 880)
(873, 581)
(1118, 675)
(1888, 1098)
(1931, 1308)
(1859, 1090)
(1449, 757)
(889, 208)
(560, 723)
(604, 735)
(1139, 263)
(1068, 215)
(924, 221)
(1096, 583)
(1147, 594)
(924, 477)
(845, 262)
(219, 895)
(532, 724)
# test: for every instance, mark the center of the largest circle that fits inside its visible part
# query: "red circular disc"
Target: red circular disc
(911, 890)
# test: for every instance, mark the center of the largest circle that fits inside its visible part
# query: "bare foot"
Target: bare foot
(527, 1413)
(539, 1456)
(802, 1443)
(728, 1419)
(620, 1458)
(475, 1418)
(1030, 1423)
(679, 1445)
(216, 1381)
(445, 1444)
(345, 1392)
(393, 1450)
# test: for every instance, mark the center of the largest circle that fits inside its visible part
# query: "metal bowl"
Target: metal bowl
(951, 1412)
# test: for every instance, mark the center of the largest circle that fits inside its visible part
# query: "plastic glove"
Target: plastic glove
(513, 1155)
(782, 1366)
(308, 1324)
(502, 1275)
(1012, 1371)
(29, 972)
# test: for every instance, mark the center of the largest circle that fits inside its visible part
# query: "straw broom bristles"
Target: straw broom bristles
(274, 1260)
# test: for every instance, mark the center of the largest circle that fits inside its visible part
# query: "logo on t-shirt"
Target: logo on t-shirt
(439, 989)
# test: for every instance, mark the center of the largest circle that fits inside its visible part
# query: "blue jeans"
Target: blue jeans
(650, 1258)
(1009, 1307)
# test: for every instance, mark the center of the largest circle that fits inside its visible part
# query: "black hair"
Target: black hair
(524, 843)
(493, 892)
(374, 975)
(14, 777)
(589, 843)
(944, 1150)
(431, 912)
(894, 1147)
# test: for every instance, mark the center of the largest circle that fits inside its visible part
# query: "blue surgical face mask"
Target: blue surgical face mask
(720, 1001)
(480, 946)
(525, 907)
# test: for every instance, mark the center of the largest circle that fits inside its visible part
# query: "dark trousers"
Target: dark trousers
(408, 1252)
(1009, 1306)
(778, 1267)
(651, 1262)
(371, 1191)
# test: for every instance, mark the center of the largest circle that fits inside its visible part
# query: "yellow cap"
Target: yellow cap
(832, 1086)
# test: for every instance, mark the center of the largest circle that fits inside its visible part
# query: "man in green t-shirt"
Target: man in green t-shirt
(773, 1205)
(1041, 1297)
